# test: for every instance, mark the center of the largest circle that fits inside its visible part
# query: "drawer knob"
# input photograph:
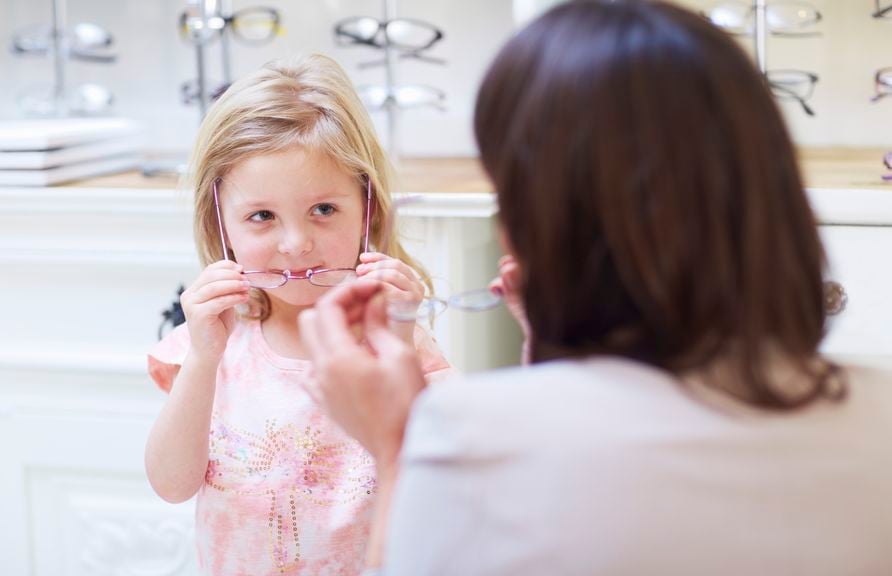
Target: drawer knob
(835, 298)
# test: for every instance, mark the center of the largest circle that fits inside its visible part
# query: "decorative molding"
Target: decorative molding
(107, 522)
(851, 206)
(129, 546)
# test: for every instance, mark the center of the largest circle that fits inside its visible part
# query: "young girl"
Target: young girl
(290, 188)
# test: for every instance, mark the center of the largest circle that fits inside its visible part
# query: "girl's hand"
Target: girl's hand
(208, 304)
(400, 284)
(507, 285)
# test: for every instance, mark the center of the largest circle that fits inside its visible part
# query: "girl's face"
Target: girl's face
(292, 210)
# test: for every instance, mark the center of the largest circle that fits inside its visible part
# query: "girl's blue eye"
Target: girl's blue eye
(324, 209)
(261, 216)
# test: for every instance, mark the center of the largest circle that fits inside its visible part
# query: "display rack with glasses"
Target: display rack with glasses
(83, 42)
(783, 19)
(397, 39)
(206, 22)
(882, 79)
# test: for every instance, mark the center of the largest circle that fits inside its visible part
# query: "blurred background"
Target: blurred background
(153, 60)
(93, 251)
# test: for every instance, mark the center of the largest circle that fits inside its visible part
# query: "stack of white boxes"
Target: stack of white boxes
(51, 151)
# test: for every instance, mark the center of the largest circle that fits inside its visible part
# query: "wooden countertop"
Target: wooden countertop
(845, 168)
(839, 168)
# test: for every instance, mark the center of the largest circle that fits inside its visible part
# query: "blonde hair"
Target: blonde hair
(308, 102)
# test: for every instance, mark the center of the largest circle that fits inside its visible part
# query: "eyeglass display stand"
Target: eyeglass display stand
(391, 106)
(760, 34)
(207, 9)
(58, 53)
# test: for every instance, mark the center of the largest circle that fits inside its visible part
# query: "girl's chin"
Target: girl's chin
(303, 295)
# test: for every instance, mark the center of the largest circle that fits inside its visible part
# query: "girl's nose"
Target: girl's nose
(295, 241)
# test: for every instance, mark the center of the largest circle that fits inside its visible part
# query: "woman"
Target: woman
(677, 417)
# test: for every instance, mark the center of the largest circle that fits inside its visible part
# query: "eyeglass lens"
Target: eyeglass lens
(781, 17)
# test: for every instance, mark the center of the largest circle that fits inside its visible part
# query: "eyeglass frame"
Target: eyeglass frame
(189, 91)
(812, 80)
(878, 82)
(818, 18)
(427, 308)
(227, 21)
(391, 96)
(881, 12)
(382, 25)
(287, 274)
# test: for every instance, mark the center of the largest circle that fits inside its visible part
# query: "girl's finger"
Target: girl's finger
(396, 279)
(219, 288)
(373, 257)
(219, 305)
(386, 263)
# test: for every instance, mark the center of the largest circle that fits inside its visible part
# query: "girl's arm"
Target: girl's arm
(176, 455)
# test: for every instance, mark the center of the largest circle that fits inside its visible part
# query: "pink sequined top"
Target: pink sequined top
(286, 491)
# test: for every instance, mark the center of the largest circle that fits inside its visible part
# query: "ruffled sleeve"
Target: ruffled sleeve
(167, 356)
(433, 363)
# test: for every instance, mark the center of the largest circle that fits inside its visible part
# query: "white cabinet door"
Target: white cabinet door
(73, 491)
(860, 260)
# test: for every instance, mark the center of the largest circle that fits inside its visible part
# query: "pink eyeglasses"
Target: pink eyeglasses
(325, 277)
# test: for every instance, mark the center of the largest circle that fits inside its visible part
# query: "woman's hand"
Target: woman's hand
(507, 285)
(401, 285)
(208, 304)
(367, 388)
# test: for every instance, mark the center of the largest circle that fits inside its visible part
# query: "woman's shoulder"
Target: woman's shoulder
(610, 397)
(508, 408)
(559, 381)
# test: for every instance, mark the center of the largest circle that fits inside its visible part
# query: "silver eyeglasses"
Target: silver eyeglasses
(256, 25)
(782, 18)
(478, 300)
(326, 277)
(407, 96)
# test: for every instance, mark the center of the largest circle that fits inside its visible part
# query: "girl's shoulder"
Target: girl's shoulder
(166, 357)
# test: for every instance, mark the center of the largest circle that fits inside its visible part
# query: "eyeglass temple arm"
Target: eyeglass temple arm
(368, 212)
(881, 12)
(220, 220)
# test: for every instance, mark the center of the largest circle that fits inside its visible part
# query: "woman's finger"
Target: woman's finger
(332, 327)
(383, 342)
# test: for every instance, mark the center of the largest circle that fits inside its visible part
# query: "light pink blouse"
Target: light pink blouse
(286, 491)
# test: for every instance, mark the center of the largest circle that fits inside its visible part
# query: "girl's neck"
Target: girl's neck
(281, 330)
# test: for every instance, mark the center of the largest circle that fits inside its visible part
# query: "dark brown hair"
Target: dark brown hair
(650, 191)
